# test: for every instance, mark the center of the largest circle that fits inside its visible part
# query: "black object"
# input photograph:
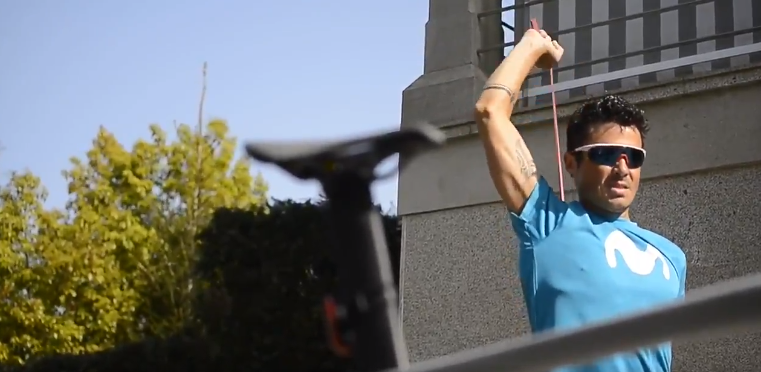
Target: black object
(363, 318)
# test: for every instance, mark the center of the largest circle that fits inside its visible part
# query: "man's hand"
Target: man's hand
(549, 50)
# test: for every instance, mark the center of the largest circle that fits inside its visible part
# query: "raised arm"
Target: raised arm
(510, 163)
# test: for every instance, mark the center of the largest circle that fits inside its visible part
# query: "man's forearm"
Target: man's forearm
(511, 73)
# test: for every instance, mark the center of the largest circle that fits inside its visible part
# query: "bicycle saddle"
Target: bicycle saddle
(309, 160)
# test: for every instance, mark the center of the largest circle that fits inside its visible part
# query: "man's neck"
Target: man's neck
(607, 215)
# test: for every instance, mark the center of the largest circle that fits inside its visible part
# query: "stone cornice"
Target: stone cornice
(649, 93)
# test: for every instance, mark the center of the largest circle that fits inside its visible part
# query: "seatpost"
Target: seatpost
(363, 318)
(366, 303)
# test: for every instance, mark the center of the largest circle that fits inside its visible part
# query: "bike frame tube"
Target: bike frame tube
(366, 288)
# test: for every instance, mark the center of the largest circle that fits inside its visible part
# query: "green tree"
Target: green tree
(152, 201)
(117, 264)
(267, 270)
(59, 292)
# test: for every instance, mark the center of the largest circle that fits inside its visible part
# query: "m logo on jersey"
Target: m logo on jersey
(639, 262)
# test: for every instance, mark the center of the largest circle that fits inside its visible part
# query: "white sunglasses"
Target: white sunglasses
(609, 153)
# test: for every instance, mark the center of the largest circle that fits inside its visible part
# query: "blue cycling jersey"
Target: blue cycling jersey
(577, 268)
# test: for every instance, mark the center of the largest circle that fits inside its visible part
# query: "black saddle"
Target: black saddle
(315, 160)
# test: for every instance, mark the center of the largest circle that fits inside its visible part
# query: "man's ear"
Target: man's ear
(571, 165)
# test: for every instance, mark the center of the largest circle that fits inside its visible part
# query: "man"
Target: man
(585, 261)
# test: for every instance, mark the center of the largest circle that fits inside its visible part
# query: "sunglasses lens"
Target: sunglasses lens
(609, 155)
(636, 157)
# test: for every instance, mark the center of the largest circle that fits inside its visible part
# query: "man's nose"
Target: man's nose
(622, 165)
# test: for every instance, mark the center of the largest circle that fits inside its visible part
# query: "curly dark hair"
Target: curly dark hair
(595, 112)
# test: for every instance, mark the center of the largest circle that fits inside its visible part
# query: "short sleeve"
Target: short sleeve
(683, 279)
(540, 215)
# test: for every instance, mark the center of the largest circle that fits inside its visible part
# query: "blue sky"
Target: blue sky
(277, 70)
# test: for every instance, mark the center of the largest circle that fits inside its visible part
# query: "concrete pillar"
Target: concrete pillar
(453, 72)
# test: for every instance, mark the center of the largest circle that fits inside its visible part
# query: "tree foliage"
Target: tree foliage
(152, 201)
(267, 275)
(265, 270)
(116, 264)
(59, 293)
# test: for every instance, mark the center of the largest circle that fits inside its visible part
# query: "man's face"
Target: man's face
(608, 189)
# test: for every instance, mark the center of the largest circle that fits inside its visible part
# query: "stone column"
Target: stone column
(445, 94)
(454, 70)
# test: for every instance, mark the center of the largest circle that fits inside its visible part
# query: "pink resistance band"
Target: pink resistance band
(535, 26)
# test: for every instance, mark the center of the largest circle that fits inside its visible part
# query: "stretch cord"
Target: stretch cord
(557, 136)
(535, 26)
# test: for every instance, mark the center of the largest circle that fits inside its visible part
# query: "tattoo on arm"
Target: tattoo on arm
(528, 168)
